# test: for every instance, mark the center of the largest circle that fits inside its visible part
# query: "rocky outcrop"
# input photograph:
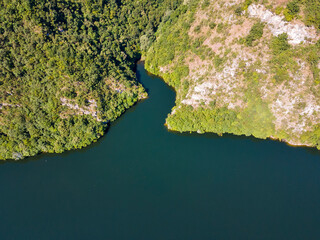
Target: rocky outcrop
(91, 109)
(297, 32)
(271, 94)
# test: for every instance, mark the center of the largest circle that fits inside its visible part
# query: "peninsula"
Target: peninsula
(67, 68)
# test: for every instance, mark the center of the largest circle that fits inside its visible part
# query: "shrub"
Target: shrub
(144, 43)
(281, 75)
(218, 61)
(220, 27)
(247, 4)
(197, 29)
(312, 12)
(291, 10)
(255, 33)
(205, 4)
(280, 43)
(278, 10)
(238, 11)
(212, 25)
(313, 59)
(293, 7)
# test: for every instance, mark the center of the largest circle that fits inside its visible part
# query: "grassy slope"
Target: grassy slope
(182, 38)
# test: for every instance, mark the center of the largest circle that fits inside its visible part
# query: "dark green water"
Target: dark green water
(141, 182)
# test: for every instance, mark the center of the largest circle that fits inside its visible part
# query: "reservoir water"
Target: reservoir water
(141, 182)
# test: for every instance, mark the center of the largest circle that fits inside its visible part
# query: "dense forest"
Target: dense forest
(67, 69)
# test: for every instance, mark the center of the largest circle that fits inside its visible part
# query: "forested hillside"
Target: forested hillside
(67, 69)
(246, 67)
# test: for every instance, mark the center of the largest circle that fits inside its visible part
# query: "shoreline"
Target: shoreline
(288, 143)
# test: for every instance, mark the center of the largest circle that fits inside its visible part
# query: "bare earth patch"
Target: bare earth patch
(293, 103)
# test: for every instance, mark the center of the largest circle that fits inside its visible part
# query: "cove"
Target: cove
(141, 182)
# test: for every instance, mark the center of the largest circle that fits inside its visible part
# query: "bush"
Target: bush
(281, 75)
(280, 43)
(220, 27)
(218, 62)
(205, 4)
(278, 10)
(197, 29)
(246, 4)
(313, 59)
(242, 7)
(312, 12)
(212, 25)
(238, 11)
(293, 7)
(291, 11)
(255, 33)
(146, 40)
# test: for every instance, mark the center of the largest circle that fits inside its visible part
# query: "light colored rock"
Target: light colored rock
(221, 86)
(83, 110)
(297, 32)
(8, 105)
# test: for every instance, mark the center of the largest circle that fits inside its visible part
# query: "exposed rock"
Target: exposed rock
(222, 86)
(17, 156)
(9, 105)
(82, 110)
(250, 80)
(297, 32)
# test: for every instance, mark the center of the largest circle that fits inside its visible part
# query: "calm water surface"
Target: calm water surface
(141, 182)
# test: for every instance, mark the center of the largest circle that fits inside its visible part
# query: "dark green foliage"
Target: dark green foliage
(280, 43)
(255, 120)
(313, 59)
(220, 27)
(255, 33)
(312, 12)
(281, 74)
(212, 25)
(246, 4)
(202, 119)
(282, 61)
(173, 38)
(292, 10)
(293, 7)
(218, 62)
(242, 7)
(312, 137)
(146, 40)
(238, 11)
(81, 50)
(205, 4)
(197, 29)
